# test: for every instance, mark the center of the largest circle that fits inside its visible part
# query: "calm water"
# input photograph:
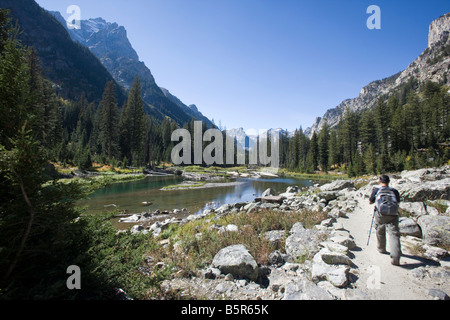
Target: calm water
(130, 195)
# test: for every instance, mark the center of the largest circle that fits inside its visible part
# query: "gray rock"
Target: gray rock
(236, 260)
(131, 219)
(328, 222)
(343, 240)
(335, 247)
(275, 237)
(331, 266)
(336, 258)
(279, 279)
(336, 213)
(438, 294)
(298, 227)
(409, 228)
(415, 209)
(432, 211)
(434, 253)
(328, 195)
(136, 229)
(435, 230)
(305, 290)
(268, 192)
(224, 208)
(276, 258)
(302, 241)
(355, 294)
(211, 273)
(426, 190)
(228, 228)
(251, 207)
(337, 185)
(293, 190)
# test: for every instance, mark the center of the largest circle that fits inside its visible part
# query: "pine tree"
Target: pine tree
(109, 122)
(303, 150)
(133, 125)
(367, 131)
(382, 125)
(323, 146)
(36, 218)
(349, 136)
(313, 154)
(333, 149)
(14, 81)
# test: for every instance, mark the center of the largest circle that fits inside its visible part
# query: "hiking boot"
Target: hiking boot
(383, 251)
(395, 261)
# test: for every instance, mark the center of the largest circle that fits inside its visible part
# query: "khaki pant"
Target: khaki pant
(391, 224)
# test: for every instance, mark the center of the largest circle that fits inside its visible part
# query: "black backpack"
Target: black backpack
(386, 202)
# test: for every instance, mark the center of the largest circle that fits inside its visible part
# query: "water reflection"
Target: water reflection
(129, 196)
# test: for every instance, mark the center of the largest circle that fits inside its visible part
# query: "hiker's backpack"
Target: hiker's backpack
(386, 202)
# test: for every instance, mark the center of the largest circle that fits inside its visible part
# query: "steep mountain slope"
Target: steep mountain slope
(433, 64)
(191, 110)
(109, 42)
(71, 67)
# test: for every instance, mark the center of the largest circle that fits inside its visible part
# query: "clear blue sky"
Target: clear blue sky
(261, 64)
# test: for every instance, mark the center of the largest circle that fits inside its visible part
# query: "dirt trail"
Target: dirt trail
(376, 276)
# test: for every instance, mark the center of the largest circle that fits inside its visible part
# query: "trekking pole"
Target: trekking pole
(371, 226)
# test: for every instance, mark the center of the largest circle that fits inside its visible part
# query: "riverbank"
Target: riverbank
(308, 244)
(200, 185)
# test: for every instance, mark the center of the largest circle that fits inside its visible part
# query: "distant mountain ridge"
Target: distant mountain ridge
(433, 64)
(109, 42)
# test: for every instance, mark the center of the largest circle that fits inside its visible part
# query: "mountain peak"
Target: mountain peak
(439, 30)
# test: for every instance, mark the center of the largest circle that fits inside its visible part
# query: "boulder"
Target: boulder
(415, 209)
(426, 190)
(435, 230)
(291, 192)
(224, 208)
(438, 294)
(343, 238)
(337, 185)
(271, 199)
(431, 174)
(409, 228)
(211, 273)
(268, 192)
(277, 258)
(335, 258)
(228, 228)
(302, 241)
(137, 229)
(328, 195)
(237, 261)
(332, 267)
(275, 237)
(305, 290)
(335, 247)
(131, 219)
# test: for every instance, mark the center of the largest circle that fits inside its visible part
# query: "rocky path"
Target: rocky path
(376, 276)
(340, 265)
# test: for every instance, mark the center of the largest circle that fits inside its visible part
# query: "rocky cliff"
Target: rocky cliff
(439, 30)
(433, 64)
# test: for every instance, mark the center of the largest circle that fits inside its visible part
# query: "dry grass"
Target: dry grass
(194, 245)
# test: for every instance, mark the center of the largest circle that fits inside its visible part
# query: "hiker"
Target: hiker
(386, 200)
